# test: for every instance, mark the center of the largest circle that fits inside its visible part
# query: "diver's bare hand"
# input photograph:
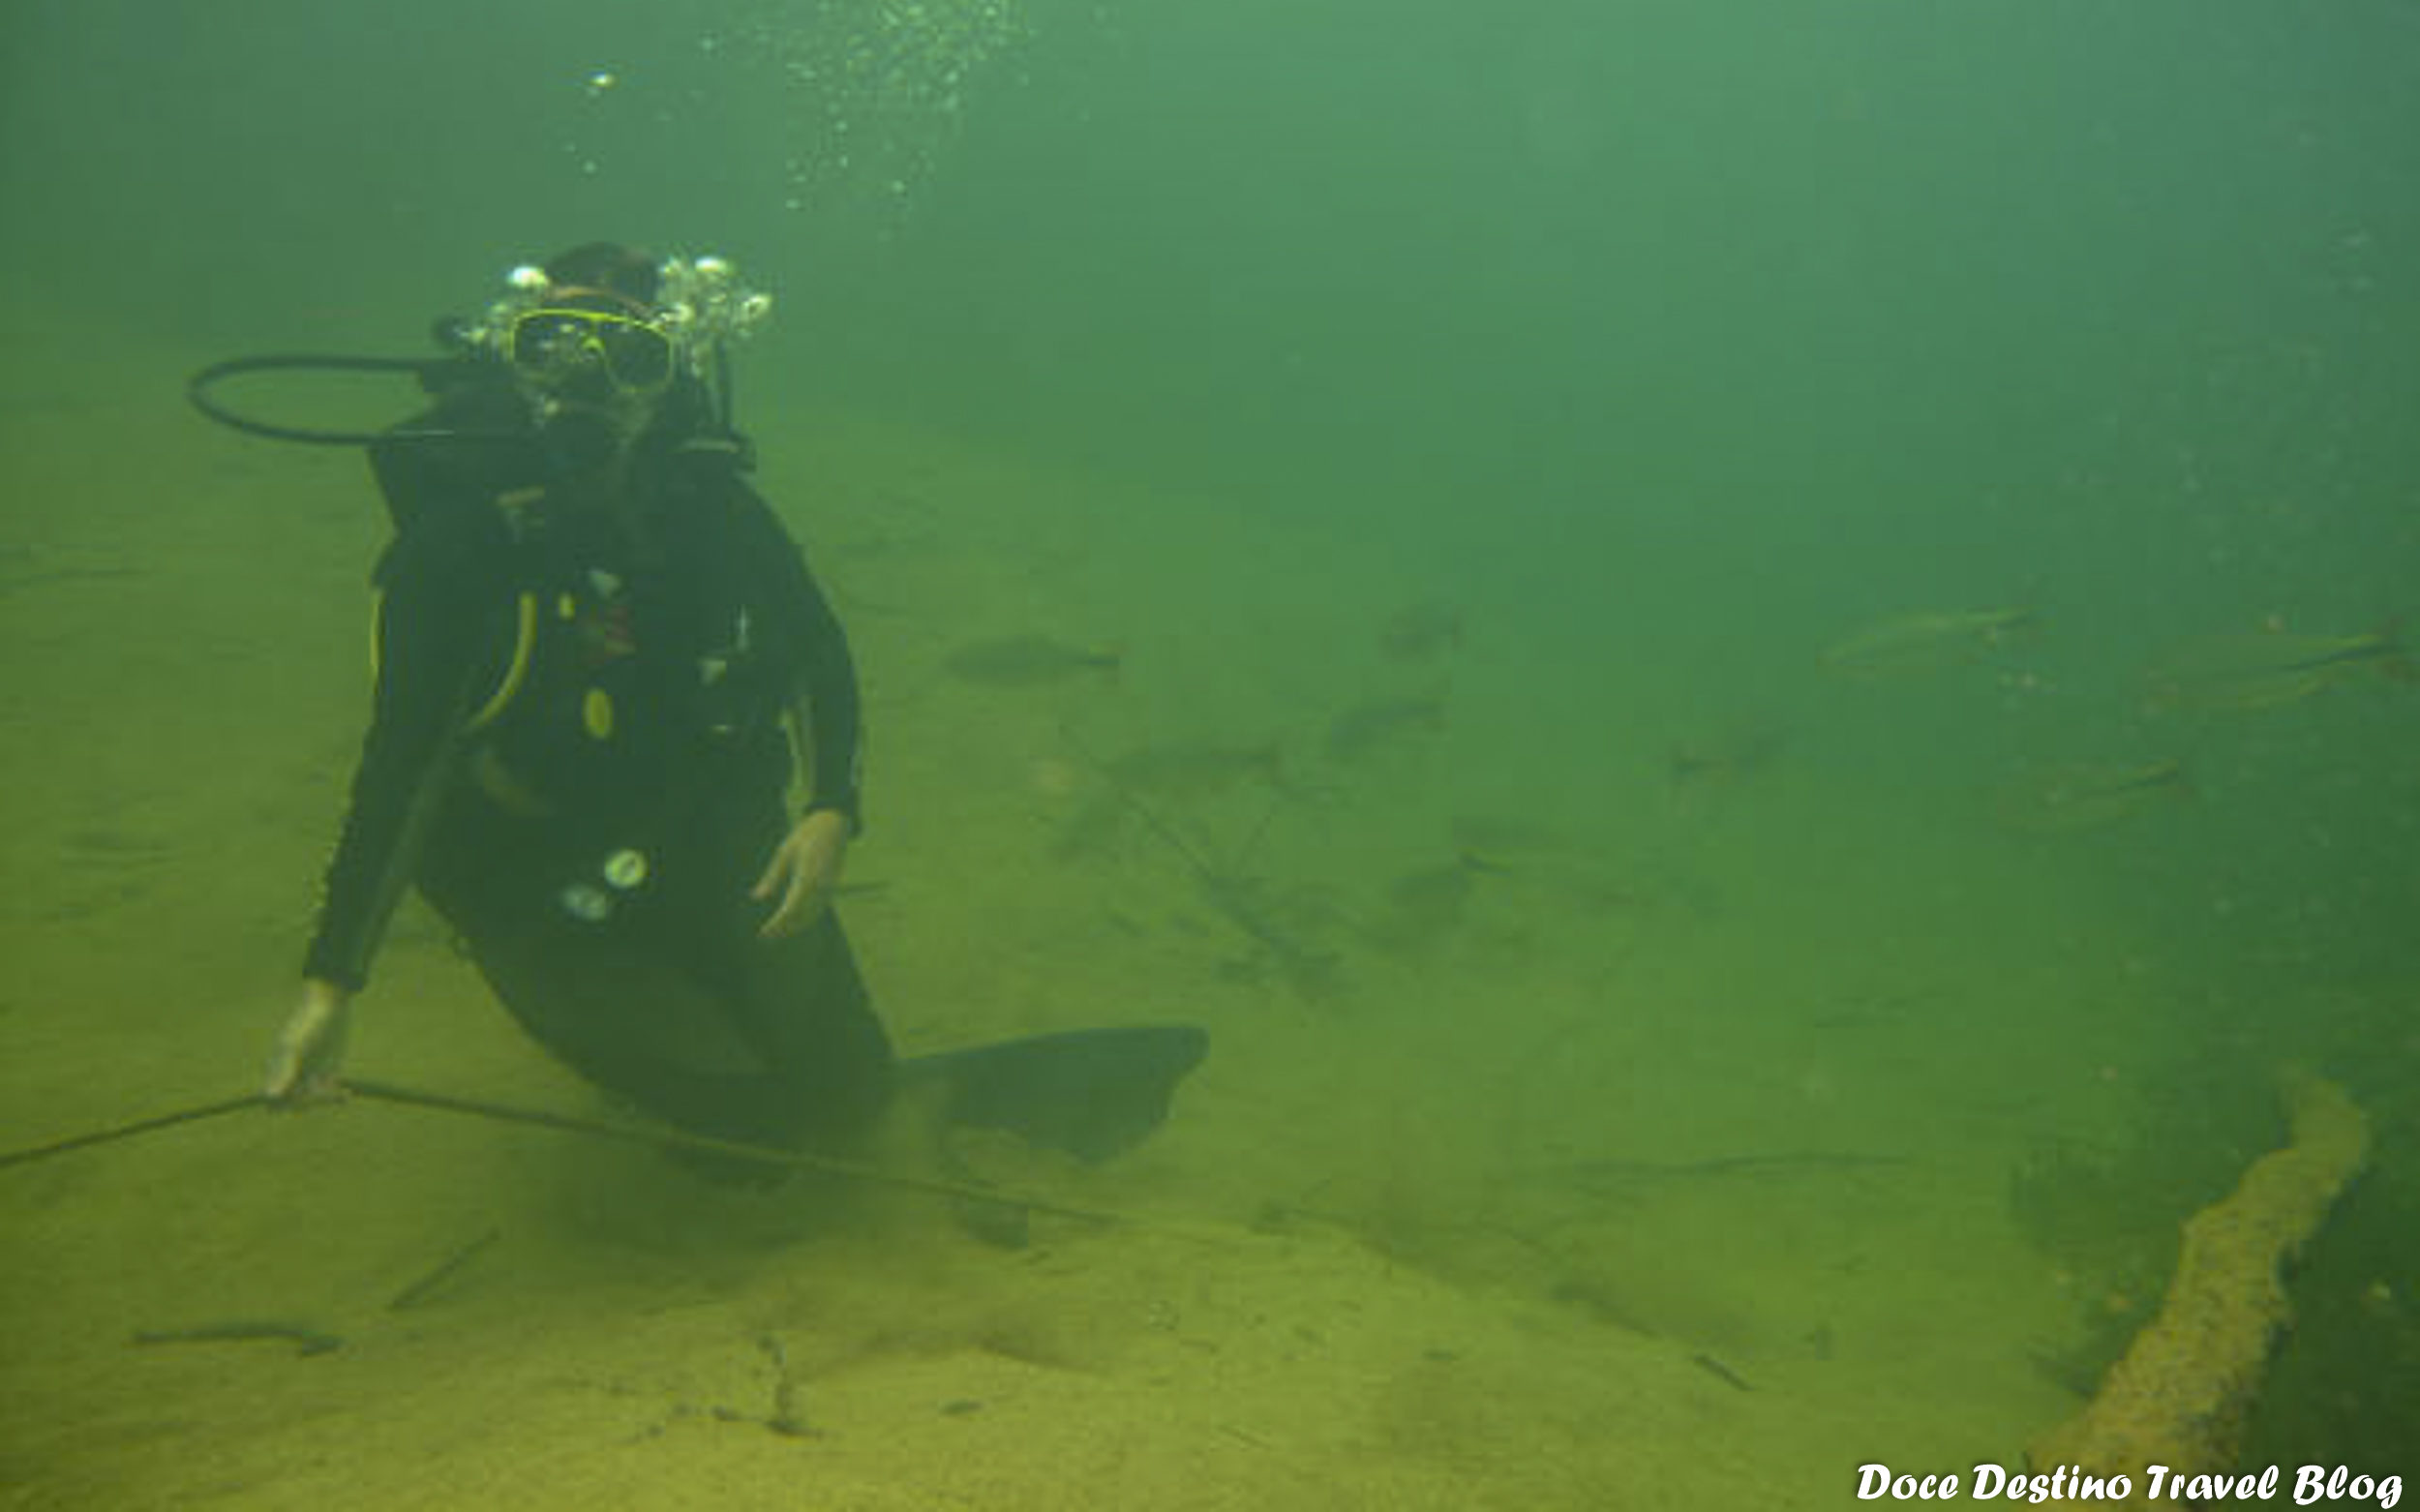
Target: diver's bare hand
(804, 869)
(310, 1047)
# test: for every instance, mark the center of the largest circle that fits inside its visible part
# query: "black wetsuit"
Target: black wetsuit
(579, 753)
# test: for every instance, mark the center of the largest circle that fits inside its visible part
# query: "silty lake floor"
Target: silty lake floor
(1672, 1174)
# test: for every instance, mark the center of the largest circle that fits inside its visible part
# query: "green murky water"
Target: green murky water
(1438, 446)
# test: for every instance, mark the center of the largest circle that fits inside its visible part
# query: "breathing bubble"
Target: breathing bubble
(876, 90)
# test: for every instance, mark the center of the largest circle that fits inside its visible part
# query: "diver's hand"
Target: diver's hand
(303, 1066)
(803, 871)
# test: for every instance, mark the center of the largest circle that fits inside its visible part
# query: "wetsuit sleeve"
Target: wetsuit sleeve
(432, 635)
(822, 684)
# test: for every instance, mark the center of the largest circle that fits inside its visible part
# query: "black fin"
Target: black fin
(1092, 1093)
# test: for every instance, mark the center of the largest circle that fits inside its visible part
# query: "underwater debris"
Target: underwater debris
(2183, 1391)
(305, 1338)
(1250, 905)
(1241, 899)
(1184, 771)
(1720, 1372)
(1190, 769)
(787, 1417)
(436, 1278)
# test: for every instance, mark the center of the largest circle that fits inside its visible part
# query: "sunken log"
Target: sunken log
(2183, 1391)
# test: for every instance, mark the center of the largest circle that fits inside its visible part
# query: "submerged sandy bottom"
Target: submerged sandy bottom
(1669, 1170)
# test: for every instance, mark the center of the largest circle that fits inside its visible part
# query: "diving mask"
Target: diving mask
(550, 332)
(558, 347)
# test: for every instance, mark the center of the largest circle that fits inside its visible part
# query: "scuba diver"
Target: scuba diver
(600, 657)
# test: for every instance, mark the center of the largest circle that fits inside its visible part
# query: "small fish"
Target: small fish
(1725, 758)
(1029, 661)
(2087, 797)
(1365, 729)
(1421, 632)
(1925, 641)
(2272, 668)
(1423, 906)
(1504, 838)
(23, 567)
(1551, 858)
(1504, 834)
